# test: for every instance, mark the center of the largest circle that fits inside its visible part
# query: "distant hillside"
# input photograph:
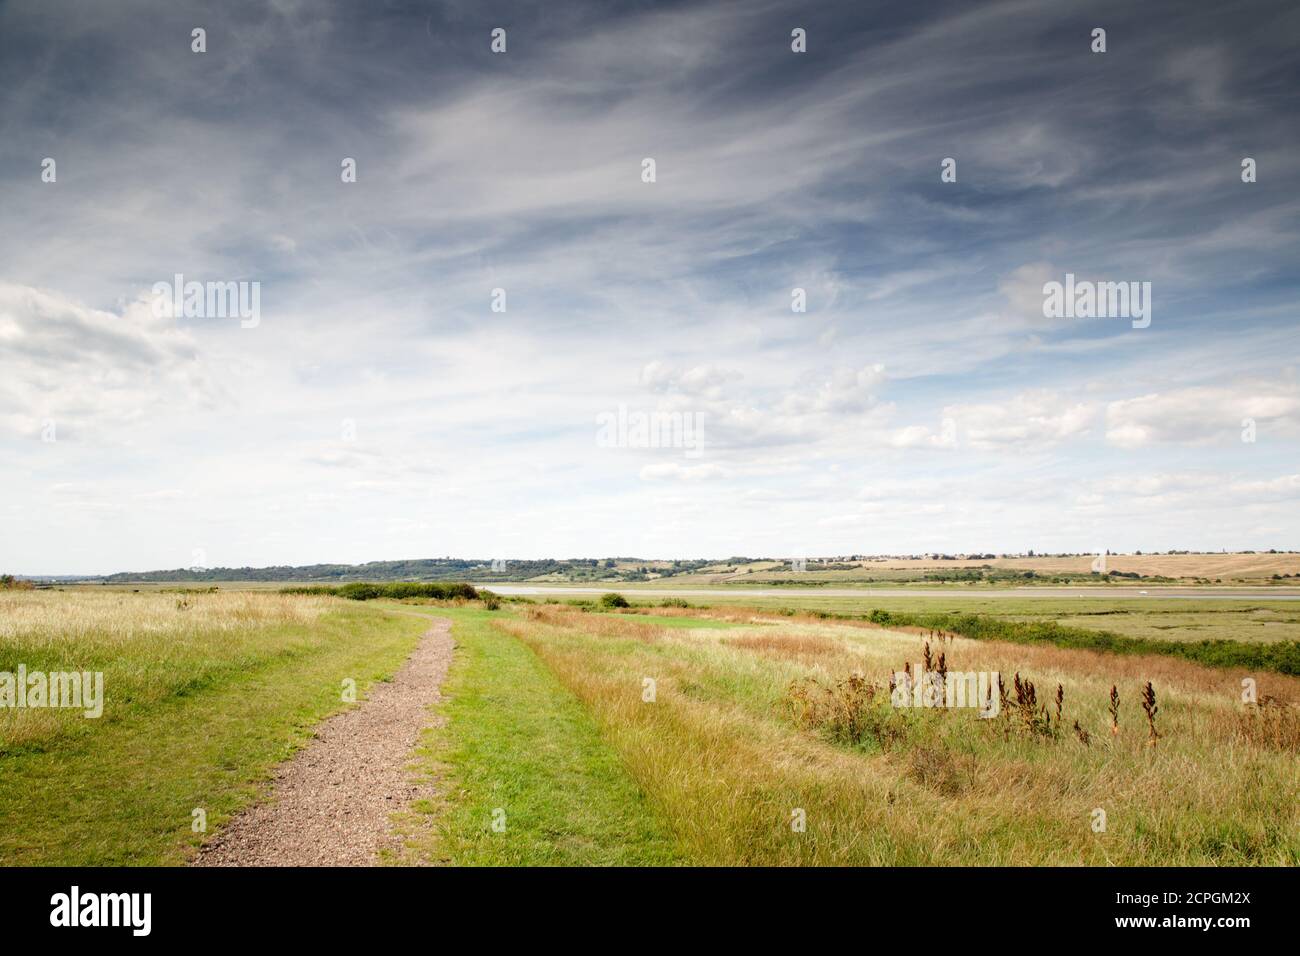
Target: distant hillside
(1249, 567)
(424, 569)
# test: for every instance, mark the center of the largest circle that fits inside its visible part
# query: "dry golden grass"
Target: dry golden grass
(148, 645)
(1227, 568)
(733, 614)
(796, 647)
(719, 756)
(59, 617)
(603, 625)
(1268, 723)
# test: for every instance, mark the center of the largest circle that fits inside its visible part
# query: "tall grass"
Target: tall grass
(149, 646)
(722, 761)
(203, 695)
(1283, 657)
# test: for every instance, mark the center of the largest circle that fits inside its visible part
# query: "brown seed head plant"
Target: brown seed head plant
(907, 679)
(1149, 705)
(844, 710)
(1034, 718)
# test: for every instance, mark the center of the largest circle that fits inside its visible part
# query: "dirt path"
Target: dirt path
(332, 802)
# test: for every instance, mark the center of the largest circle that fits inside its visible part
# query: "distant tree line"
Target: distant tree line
(424, 569)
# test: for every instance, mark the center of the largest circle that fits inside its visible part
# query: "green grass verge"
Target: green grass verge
(122, 792)
(517, 742)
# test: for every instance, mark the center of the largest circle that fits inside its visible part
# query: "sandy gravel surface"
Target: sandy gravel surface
(331, 803)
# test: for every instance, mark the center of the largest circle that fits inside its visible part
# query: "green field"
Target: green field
(203, 696)
(755, 745)
(548, 724)
(1150, 617)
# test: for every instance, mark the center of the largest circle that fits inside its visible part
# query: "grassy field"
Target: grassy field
(1257, 569)
(1145, 617)
(660, 735)
(204, 694)
(725, 767)
(549, 723)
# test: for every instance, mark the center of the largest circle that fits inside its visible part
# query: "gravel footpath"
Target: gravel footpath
(332, 802)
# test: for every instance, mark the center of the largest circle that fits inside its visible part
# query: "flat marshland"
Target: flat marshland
(1165, 619)
(755, 749)
(1271, 569)
(662, 735)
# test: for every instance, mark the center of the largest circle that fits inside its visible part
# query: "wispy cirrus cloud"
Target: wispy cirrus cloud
(923, 347)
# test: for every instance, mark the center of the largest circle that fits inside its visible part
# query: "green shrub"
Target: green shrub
(397, 590)
(359, 591)
(613, 600)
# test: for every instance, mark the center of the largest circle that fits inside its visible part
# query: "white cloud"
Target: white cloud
(80, 367)
(706, 381)
(1199, 414)
(523, 172)
(667, 471)
(846, 391)
(1037, 419)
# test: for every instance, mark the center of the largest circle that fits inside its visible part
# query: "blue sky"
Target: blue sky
(381, 409)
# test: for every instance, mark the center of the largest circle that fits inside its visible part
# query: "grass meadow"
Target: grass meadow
(652, 735)
(1170, 619)
(722, 762)
(204, 695)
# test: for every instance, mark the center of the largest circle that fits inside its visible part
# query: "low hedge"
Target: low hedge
(365, 591)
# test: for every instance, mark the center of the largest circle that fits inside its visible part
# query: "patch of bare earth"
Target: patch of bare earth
(332, 803)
